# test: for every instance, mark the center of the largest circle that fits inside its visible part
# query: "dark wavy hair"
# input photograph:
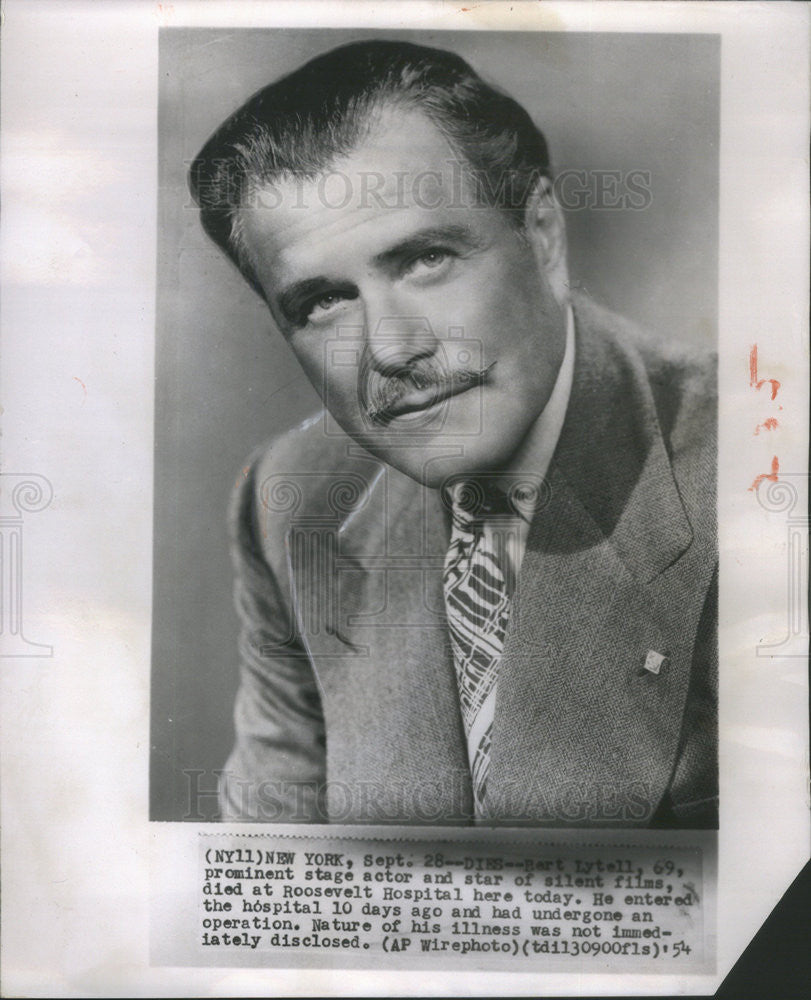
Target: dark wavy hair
(302, 123)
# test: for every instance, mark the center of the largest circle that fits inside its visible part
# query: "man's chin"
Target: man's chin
(434, 464)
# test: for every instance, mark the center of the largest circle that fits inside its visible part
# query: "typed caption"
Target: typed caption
(531, 904)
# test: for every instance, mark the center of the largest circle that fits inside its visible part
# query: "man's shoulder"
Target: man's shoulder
(311, 468)
(316, 446)
(682, 379)
(640, 443)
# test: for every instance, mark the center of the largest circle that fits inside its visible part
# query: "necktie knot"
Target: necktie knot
(472, 504)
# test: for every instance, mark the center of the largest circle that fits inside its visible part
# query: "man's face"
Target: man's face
(426, 322)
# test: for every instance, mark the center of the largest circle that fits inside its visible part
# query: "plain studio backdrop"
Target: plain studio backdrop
(226, 381)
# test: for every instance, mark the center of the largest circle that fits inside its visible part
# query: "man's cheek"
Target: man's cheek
(456, 313)
(341, 395)
(320, 373)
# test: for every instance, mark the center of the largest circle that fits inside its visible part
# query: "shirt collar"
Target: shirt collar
(535, 453)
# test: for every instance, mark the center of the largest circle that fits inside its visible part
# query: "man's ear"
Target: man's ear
(546, 232)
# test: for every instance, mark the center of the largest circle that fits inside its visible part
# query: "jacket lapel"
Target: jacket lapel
(583, 732)
(395, 745)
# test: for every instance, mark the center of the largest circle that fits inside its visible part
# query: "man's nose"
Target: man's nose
(395, 342)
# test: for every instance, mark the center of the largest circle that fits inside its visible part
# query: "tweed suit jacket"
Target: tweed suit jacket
(347, 709)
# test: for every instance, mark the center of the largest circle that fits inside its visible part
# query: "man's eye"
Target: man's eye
(431, 260)
(323, 305)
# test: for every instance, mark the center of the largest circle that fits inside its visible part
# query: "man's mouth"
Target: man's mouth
(417, 390)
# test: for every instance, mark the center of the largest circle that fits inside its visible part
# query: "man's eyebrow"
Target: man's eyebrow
(425, 239)
(292, 297)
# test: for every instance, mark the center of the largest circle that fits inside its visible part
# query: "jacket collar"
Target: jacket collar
(612, 456)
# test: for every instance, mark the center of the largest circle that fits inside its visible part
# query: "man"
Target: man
(481, 586)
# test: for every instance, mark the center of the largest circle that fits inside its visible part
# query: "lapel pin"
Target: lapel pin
(653, 661)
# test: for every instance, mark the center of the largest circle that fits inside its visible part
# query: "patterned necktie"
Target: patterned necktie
(477, 608)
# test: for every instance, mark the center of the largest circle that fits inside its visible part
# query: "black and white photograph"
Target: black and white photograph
(459, 357)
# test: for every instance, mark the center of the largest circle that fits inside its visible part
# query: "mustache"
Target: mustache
(422, 378)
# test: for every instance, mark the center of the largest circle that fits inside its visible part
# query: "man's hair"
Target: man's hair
(301, 124)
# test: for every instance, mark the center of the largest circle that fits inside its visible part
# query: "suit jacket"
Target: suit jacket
(347, 709)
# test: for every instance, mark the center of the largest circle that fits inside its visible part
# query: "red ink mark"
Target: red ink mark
(769, 424)
(77, 379)
(771, 476)
(753, 374)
